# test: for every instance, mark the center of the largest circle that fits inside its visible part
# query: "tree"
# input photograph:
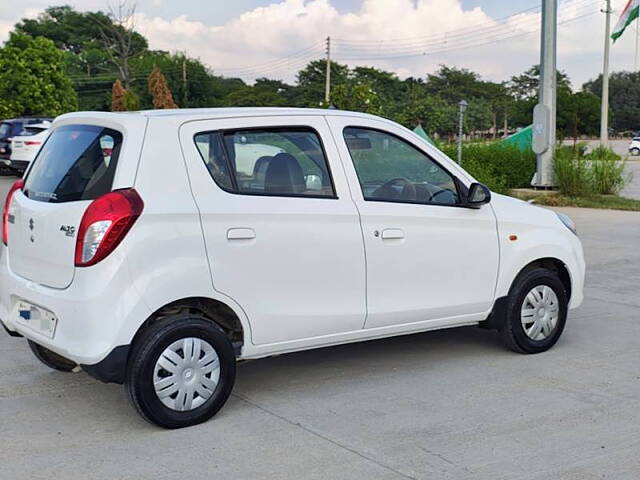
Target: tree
(578, 114)
(624, 99)
(159, 90)
(32, 78)
(357, 95)
(527, 85)
(254, 96)
(311, 82)
(119, 38)
(455, 84)
(117, 97)
(123, 100)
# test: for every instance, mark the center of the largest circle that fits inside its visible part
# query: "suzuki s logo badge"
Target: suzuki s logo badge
(31, 224)
(69, 230)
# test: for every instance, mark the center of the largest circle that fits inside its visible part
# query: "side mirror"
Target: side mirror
(478, 195)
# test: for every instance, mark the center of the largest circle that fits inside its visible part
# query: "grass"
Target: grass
(611, 202)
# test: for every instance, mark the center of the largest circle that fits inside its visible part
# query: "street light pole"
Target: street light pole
(463, 104)
(604, 115)
(544, 115)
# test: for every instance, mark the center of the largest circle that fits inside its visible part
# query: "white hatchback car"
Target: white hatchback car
(25, 147)
(137, 249)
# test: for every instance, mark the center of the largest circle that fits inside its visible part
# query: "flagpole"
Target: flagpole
(604, 115)
(637, 43)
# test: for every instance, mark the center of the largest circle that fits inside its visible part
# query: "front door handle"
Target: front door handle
(241, 234)
(392, 234)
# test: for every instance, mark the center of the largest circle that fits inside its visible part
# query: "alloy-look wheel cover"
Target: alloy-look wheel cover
(540, 312)
(186, 374)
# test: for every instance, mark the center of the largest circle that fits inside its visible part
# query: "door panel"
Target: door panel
(295, 264)
(424, 261)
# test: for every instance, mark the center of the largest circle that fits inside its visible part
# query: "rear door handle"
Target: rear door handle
(241, 234)
(392, 234)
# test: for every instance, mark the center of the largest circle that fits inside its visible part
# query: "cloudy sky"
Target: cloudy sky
(274, 38)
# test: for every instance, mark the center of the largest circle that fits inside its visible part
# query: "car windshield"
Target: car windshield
(29, 130)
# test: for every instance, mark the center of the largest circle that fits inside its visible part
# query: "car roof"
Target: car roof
(44, 125)
(188, 114)
(25, 119)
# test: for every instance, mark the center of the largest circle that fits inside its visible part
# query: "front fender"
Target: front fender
(528, 233)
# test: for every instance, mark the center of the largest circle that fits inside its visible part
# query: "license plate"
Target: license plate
(37, 318)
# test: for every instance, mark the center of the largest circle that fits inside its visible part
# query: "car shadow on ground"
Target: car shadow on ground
(359, 362)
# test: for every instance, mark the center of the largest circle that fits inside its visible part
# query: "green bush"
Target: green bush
(599, 172)
(572, 173)
(603, 153)
(608, 176)
(500, 167)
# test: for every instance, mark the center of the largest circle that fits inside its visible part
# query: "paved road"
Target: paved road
(633, 189)
(441, 405)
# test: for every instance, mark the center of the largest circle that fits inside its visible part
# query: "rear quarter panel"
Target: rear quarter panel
(166, 250)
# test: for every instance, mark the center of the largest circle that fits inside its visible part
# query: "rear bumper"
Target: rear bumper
(98, 313)
(113, 368)
(16, 164)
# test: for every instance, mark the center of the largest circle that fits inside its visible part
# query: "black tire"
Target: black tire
(513, 332)
(50, 359)
(146, 352)
(635, 152)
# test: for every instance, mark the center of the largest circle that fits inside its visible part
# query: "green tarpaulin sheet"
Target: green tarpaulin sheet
(521, 139)
(421, 133)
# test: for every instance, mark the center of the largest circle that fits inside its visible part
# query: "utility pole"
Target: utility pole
(327, 84)
(184, 82)
(544, 114)
(462, 105)
(604, 115)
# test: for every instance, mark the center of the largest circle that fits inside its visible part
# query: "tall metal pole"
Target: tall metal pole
(184, 83)
(327, 85)
(462, 107)
(635, 69)
(545, 114)
(604, 115)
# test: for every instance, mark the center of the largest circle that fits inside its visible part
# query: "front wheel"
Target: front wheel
(635, 151)
(536, 311)
(181, 371)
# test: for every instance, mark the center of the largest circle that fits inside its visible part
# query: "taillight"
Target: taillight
(105, 223)
(17, 185)
(32, 142)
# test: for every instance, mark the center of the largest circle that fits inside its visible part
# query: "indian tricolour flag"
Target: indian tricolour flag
(628, 15)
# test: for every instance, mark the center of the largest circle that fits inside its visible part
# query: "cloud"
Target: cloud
(255, 43)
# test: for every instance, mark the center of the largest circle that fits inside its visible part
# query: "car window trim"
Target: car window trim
(234, 180)
(456, 181)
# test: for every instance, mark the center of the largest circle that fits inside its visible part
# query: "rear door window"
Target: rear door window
(282, 161)
(77, 162)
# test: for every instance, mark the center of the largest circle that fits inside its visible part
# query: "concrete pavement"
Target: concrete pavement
(451, 404)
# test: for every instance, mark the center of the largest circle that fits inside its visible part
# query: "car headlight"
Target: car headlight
(566, 219)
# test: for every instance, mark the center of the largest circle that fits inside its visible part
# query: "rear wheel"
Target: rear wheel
(181, 371)
(536, 311)
(50, 359)
(635, 151)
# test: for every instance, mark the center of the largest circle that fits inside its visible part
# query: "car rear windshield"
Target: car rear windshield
(77, 162)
